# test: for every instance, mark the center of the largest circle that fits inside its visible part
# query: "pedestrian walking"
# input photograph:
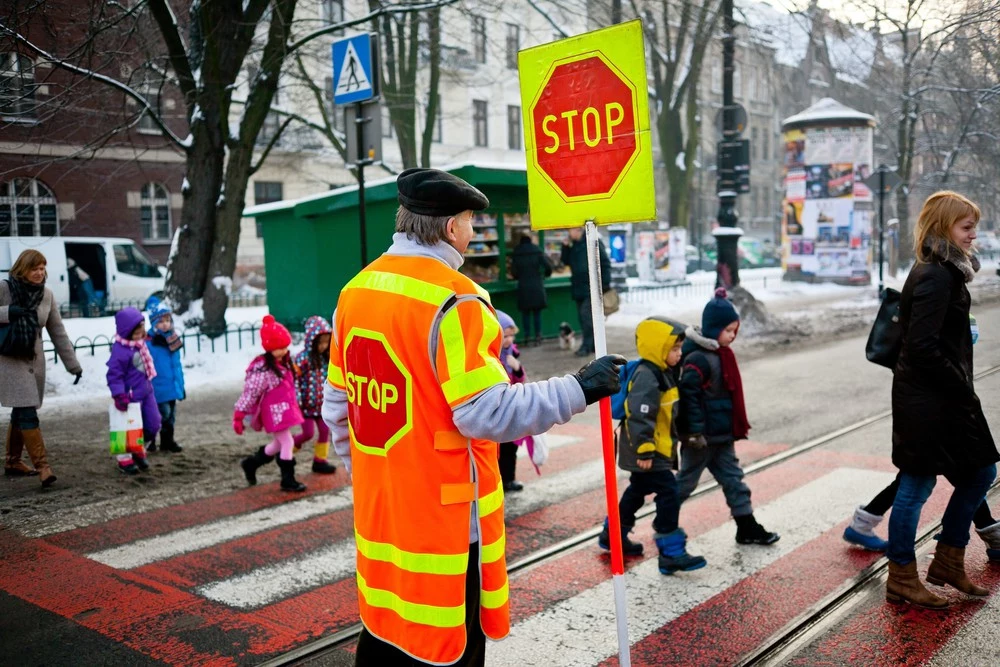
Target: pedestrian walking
(168, 384)
(130, 373)
(938, 426)
(713, 415)
(530, 266)
(26, 307)
(269, 400)
(510, 358)
(648, 445)
(574, 255)
(310, 376)
(417, 400)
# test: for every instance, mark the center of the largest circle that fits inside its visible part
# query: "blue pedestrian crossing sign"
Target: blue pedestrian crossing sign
(355, 69)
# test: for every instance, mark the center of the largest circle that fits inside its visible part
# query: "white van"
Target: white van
(119, 269)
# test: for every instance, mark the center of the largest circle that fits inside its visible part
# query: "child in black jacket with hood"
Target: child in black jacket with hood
(713, 415)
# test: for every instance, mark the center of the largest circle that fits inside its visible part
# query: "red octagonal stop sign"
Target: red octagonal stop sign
(379, 392)
(584, 126)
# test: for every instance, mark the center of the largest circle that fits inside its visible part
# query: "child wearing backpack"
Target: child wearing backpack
(269, 398)
(311, 366)
(713, 415)
(647, 446)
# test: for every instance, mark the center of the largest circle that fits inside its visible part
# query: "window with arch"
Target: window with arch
(28, 208)
(17, 86)
(154, 212)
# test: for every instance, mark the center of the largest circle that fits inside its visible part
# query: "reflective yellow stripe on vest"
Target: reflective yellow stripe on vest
(412, 561)
(495, 599)
(438, 617)
(491, 502)
(454, 344)
(492, 552)
(381, 281)
(335, 376)
(462, 384)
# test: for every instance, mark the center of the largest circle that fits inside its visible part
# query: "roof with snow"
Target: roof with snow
(788, 33)
(828, 110)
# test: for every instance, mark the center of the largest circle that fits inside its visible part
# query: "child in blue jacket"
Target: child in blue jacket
(168, 385)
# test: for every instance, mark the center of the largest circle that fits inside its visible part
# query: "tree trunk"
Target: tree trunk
(433, 86)
(671, 145)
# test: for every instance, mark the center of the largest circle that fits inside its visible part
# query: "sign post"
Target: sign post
(590, 162)
(355, 81)
(883, 181)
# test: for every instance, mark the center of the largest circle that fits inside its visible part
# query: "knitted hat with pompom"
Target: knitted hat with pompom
(719, 313)
(274, 336)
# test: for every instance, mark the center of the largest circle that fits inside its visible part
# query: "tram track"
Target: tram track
(764, 655)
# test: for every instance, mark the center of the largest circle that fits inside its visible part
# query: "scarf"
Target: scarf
(169, 340)
(24, 330)
(734, 383)
(944, 251)
(140, 347)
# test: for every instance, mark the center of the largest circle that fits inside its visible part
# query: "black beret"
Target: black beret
(438, 193)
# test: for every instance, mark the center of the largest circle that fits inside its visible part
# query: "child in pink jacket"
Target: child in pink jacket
(269, 399)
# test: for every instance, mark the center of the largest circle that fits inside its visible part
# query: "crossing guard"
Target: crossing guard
(415, 350)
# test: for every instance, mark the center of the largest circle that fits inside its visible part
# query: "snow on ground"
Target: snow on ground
(206, 362)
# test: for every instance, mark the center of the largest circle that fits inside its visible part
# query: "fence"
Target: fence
(641, 294)
(112, 307)
(244, 334)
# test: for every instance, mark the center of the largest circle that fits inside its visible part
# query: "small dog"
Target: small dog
(567, 337)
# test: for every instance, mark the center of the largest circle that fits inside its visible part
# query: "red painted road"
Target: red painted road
(156, 611)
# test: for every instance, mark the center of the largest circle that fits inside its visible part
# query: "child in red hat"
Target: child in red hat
(269, 399)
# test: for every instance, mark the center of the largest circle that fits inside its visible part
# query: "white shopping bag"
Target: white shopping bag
(126, 429)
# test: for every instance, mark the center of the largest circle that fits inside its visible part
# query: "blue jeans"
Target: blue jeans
(168, 412)
(721, 461)
(914, 490)
(586, 324)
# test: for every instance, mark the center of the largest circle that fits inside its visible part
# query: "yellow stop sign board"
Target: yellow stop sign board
(587, 137)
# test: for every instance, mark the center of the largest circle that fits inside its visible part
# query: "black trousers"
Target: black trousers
(663, 485)
(508, 461)
(373, 652)
(881, 503)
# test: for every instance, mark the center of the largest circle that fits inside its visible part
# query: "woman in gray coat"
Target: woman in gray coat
(27, 306)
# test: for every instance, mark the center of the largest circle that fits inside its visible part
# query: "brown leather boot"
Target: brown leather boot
(948, 567)
(13, 465)
(36, 450)
(904, 586)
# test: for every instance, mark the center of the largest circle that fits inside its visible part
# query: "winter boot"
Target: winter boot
(140, 462)
(904, 585)
(13, 465)
(128, 466)
(629, 548)
(320, 463)
(33, 442)
(167, 442)
(862, 531)
(673, 553)
(151, 447)
(948, 567)
(748, 531)
(288, 481)
(251, 463)
(990, 535)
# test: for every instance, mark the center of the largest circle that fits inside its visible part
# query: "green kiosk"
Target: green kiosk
(312, 246)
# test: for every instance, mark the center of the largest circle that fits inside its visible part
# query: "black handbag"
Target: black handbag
(886, 338)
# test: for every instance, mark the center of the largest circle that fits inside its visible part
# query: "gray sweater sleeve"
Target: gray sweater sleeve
(504, 413)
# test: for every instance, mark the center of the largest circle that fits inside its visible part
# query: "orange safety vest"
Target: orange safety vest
(415, 476)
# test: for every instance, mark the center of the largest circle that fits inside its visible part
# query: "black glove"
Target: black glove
(16, 312)
(78, 376)
(696, 441)
(599, 378)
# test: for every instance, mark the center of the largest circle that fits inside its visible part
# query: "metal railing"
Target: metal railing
(244, 334)
(649, 293)
(110, 308)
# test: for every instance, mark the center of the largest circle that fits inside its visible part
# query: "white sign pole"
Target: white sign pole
(607, 437)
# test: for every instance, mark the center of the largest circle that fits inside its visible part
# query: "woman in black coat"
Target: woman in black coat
(530, 266)
(938, 426)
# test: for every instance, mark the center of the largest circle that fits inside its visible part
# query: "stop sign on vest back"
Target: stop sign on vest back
(379, 392)
(587, 138)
